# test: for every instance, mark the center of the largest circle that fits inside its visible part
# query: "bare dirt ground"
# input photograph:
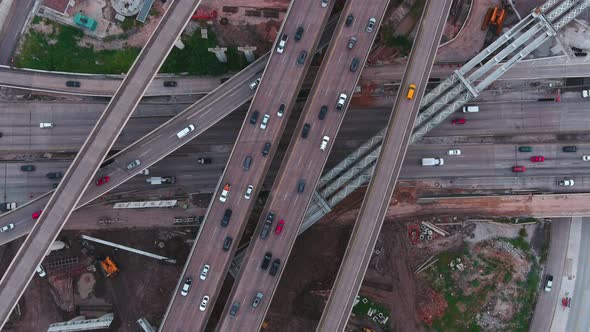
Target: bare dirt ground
(142, 287)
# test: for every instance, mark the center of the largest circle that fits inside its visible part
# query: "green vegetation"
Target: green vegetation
(417, 9)
(197, 60)
(367, 308)
(520, 321)
(464, 304)
(403, 43)
(522, 232)
(546, 241)
(60, 51)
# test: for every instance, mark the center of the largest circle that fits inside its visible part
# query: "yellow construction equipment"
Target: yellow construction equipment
(109, 267)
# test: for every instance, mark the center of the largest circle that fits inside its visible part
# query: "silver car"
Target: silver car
(6, 228)
(371, 24)
(204, 302)
(133, 164)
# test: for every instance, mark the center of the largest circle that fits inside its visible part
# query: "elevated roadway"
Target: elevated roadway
(304, 161)
(81, 172)
(247, 166)
(105, 85)
(376, 201)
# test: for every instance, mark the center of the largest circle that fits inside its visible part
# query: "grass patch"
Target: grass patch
(403, 43)
(507, 277)
(37, 19)
(417, 9)
(197, 60)
(527, 299)
(59, 51)
(368, 308)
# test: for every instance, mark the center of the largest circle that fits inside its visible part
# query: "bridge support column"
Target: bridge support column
(248, 52)
(219, 53)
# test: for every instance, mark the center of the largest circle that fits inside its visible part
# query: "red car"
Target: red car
(37, 214)
(518, 169)
(280, 226)
(459, 121)
(103, 180)
(537, 159)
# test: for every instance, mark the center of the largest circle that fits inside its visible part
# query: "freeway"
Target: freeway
(378, 195)
(504, 119)
(302, 166)
(248, 164)
(520, 114)
(105, 85)
(80, 174)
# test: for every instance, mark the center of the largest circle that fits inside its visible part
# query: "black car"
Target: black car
(266, 261)
(73, 84)
(204, 161)
(274, 267)
(270, 217)
(354, 64)
(323, 112)
(227, 243)
(301, 186)
(301, 58)
(254, 117)
(299, 33)
(266, 149)
(305, 131)
(27, 168)
(571, 148)
(54, 175)
(247, 163)
(225, 219)
(349, 20)
(170, 84)
(234, 309)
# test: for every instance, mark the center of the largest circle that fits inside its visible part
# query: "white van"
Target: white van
(433, 161)
(470, 109)
(46, 125)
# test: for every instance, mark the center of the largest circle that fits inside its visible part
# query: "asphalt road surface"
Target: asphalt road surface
(12, 28)
(72, 123)
(280, 84)
(304, 161)
(67, 195)
(547, 302)
(578, 317)
(395, 143)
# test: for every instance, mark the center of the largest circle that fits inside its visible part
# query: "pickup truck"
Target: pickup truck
(270, 217)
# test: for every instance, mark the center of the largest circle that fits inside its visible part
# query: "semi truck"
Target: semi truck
(161, 180)
(433, 161)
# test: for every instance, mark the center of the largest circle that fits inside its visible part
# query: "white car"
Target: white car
(225, 193)
(371, 24)
(586, 158)
(566, 183)
(324, 143)
(41, 271)
(145, 172)
(6, 228)
(454, 152)
(254, 84)
(264, 122)
(549, 283)
(282, 43)
(204, 272)
(249, 191)
(324, 3)
(203, 305)
(341, 101)
(585, 93)
(185, 131)
(46, 125)
(186, 286)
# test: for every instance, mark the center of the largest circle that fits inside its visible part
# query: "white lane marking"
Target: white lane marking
(146, 152)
